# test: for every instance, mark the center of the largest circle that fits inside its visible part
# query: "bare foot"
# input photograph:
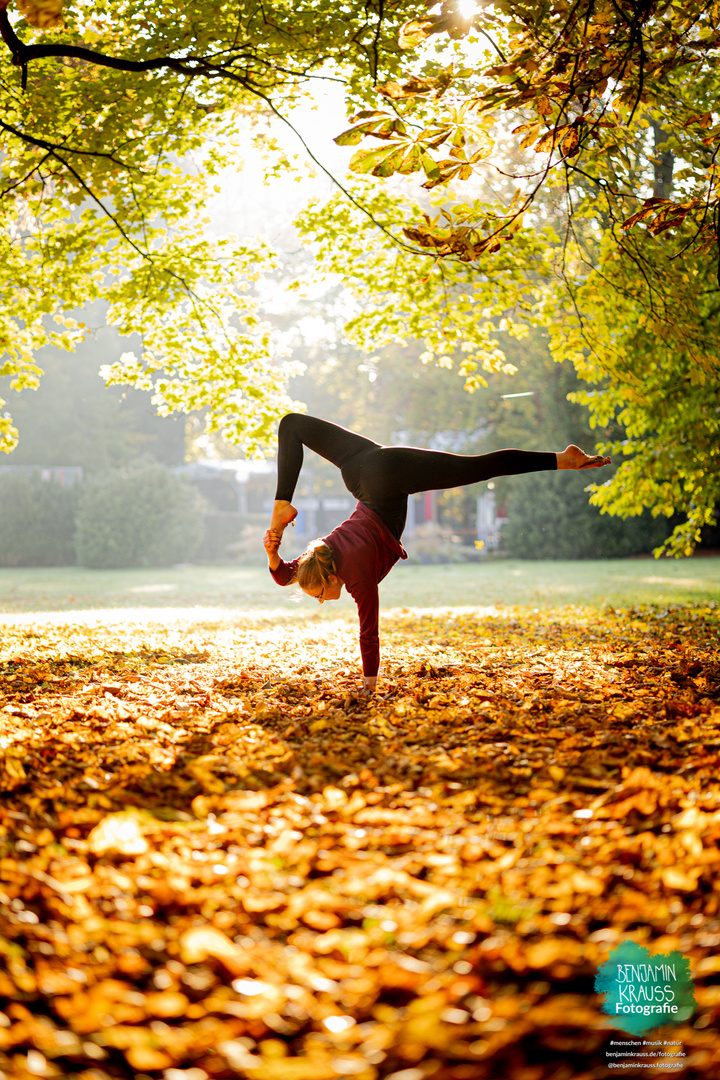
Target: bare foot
(283, 513)
(575, 458)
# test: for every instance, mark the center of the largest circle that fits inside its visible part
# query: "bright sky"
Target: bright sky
(247, 206)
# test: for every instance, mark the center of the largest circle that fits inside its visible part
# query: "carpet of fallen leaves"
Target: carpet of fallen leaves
(217, 860)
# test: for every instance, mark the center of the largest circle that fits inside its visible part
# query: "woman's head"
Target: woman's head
(316, 574)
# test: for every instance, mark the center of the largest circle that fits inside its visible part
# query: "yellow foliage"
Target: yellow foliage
(42, 14)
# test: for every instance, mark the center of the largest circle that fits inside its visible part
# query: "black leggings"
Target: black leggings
(382, 477)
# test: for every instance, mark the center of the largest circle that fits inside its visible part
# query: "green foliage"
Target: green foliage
(550, 68)
(630, 296)
(549, 517)
(649, 348)
(593, 102)
(386, 394)
(634, 309)
(455, 312)
(103, 110)
(145, 516)
(37, 521)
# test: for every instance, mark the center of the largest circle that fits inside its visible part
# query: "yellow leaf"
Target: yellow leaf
(166, 1003)
(203, 942)
(119, 833)
(292, 1069)
(42, 14)
(414, 32)
(676, 878)
(147, 1057)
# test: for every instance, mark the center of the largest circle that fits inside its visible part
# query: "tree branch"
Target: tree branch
(43, 144)
(22, 54)
(189, 65)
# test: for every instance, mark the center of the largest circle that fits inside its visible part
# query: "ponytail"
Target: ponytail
(315, 566)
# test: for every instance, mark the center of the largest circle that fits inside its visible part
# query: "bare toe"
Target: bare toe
(575, 458)
(595, 462)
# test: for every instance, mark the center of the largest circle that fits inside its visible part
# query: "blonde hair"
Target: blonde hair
(315, 566)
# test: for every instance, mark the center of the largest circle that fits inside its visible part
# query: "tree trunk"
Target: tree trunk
(663, 162)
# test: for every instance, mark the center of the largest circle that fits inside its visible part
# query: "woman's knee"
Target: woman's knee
(289, 423)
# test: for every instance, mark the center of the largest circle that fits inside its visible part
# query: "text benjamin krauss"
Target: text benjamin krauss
(640, 989)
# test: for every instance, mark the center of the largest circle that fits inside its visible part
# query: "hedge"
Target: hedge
(550, 517)
(145, 516)
(37, 521)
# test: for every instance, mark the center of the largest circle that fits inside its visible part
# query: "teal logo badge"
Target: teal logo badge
(644, 991)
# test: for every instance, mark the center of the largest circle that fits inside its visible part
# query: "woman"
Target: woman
(363, 550)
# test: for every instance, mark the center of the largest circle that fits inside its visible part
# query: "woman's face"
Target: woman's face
(331, 591)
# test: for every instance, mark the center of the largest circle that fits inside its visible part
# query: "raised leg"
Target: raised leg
(395, 471)
(334, 443)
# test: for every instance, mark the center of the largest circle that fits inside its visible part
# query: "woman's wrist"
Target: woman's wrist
(271, 543)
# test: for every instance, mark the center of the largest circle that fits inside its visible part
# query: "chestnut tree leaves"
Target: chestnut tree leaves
(591, 75)
(590, 130)
(407, 152)
(102, 107)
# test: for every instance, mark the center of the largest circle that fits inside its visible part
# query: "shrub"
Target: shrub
(550, 517)
(145, 516)
(37, 521)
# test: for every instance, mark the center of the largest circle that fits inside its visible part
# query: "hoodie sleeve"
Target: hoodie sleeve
(286, 572)
(365, 595)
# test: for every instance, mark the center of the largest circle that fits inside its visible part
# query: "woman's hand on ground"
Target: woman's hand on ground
(271, 543)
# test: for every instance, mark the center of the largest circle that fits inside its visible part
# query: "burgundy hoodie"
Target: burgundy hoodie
(364, 551)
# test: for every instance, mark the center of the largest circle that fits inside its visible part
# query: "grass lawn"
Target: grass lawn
(541, 584)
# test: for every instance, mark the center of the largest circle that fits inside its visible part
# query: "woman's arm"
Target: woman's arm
(271, 544)
(283, 572)
(365, 595)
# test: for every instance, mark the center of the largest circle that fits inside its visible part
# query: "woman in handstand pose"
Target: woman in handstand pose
(363, 550)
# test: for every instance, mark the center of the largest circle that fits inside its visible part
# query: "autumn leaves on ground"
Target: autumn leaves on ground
(216, 860)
